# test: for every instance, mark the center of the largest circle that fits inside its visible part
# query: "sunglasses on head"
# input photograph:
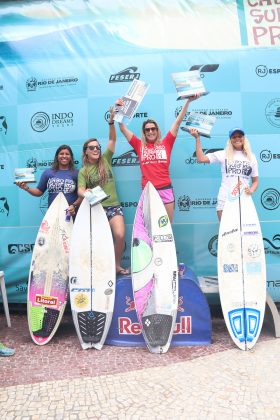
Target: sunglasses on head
(94, 147)
(150, 129)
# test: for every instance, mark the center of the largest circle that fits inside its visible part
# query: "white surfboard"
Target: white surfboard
(92, 275)
(154, 271)
(241, 268)
(48, 277)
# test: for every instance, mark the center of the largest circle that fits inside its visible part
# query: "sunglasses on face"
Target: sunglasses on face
(150, 129)
(94, 147)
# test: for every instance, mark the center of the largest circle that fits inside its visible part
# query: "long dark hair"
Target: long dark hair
(55, 164)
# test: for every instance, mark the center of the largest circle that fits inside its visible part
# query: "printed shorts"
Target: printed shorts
(112, 211)
(166, 194)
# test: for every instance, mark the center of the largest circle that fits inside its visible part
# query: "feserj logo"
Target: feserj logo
(129, 158)
(126, 75)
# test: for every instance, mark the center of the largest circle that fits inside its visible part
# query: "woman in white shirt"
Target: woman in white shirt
(236, 160)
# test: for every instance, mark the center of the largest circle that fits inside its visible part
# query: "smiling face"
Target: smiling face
(64, 158)
(150, 130)
(93, 151)
(237, 140)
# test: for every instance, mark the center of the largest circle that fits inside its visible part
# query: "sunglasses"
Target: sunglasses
(150, 129)
(94, 147)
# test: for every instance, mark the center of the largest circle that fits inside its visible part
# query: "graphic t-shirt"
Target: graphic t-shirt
(59, 181)
(89, 178)
(240, 166)
(154, 160)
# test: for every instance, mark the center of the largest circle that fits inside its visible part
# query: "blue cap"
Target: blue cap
(233, 130)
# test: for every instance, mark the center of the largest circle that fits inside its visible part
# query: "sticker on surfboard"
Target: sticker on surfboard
(154, 271)
(48, 276)
(241, 268)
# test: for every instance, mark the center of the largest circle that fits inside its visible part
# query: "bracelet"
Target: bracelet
(27, 188)
(111, 123)
(75, 205)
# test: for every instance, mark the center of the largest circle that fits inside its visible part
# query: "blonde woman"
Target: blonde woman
(97, 170)
(154, 154)
(236, 160)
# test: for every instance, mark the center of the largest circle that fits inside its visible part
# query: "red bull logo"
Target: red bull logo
(125, 326)
(130, 304)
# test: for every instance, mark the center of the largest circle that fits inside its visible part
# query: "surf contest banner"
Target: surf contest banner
(62, 64)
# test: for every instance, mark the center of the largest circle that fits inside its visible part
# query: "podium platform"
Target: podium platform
(193, 323)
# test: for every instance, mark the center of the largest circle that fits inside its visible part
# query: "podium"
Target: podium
(193, 323)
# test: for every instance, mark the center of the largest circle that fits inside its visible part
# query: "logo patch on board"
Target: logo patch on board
(254, 251)
(163, 221)
(230, 268)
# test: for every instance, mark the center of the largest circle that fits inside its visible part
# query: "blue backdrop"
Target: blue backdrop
(61, 62)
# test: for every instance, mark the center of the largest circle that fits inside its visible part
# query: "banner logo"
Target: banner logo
(3, 124)
(129, 158)
(4, 206)
(270, 199)
(126, 75)
(272, 112)
(40, 122)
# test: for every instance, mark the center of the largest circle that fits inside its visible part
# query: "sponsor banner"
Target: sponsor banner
(262, 22)
(60, 79)
(61, 121)
(261, 73)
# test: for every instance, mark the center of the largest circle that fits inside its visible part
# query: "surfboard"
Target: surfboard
(48, 276)
(92, 275)
(154, 271)
(241, 268)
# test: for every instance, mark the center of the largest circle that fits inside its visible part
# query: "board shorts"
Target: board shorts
(166, 194)
(112, 211)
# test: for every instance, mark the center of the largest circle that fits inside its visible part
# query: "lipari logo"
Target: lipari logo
(3, 125)
(129, 158)
(126, 75)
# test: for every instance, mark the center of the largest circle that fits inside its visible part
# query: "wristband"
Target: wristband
(111, 123)
(74, 205)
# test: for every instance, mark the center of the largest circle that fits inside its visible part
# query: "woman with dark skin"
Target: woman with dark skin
(61, 177)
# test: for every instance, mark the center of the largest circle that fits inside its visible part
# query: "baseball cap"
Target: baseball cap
(233, 130)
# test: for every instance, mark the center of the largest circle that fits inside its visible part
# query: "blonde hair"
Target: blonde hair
(143, 137)
(229, 149)
(101, 167)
